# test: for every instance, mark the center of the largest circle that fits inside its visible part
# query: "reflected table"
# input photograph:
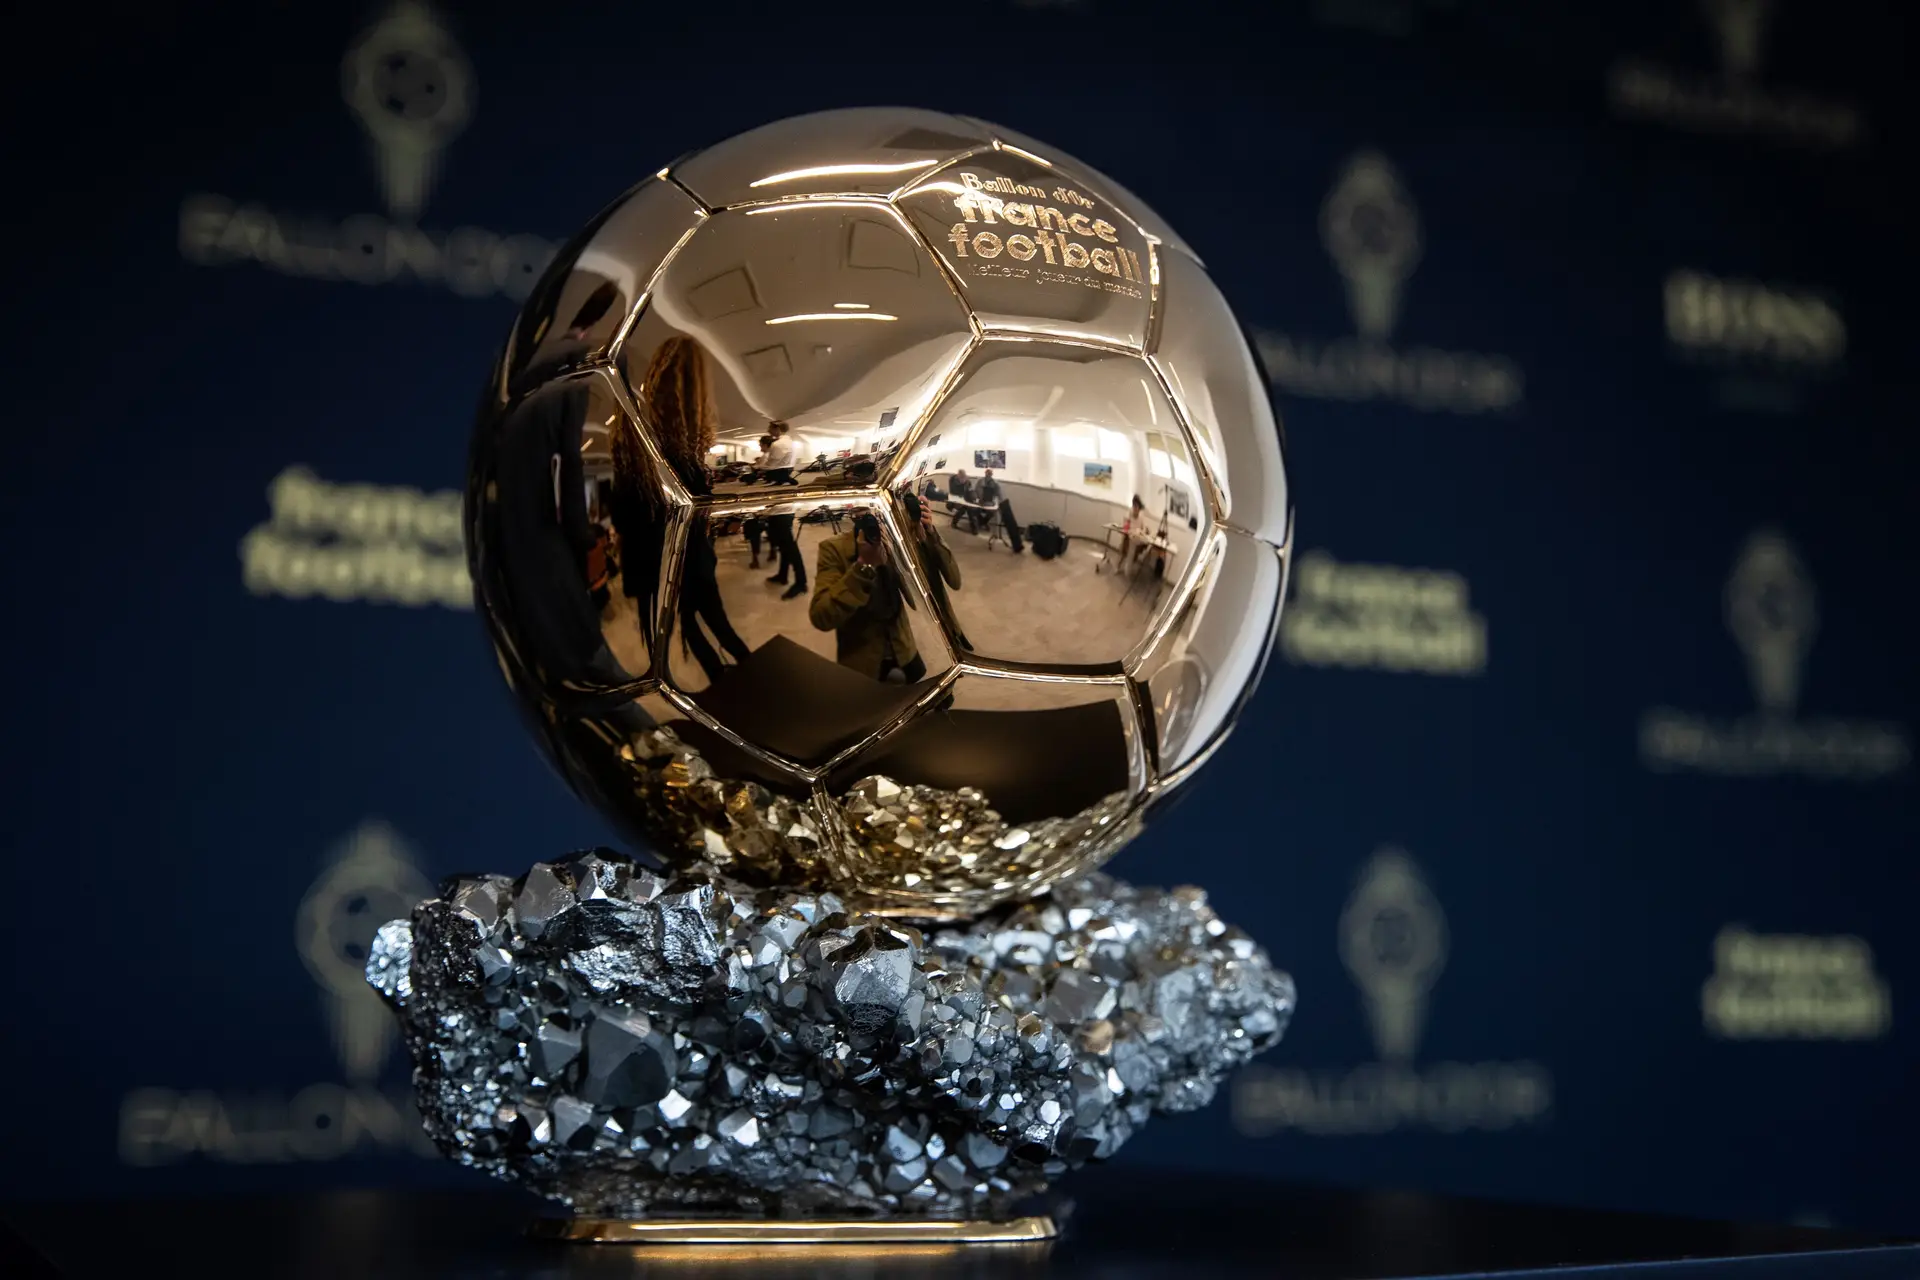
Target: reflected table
(1117, 1224)
(1141, 544)
(977, 515)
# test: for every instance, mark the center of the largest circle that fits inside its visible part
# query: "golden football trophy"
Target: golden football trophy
(879, 515)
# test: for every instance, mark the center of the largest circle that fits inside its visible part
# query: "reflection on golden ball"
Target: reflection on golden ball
(881, 500)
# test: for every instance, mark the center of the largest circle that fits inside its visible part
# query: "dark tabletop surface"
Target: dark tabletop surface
(1118, 1225)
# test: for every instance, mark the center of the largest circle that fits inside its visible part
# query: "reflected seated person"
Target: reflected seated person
(859, 597)
(962, 490)
(1135, 536)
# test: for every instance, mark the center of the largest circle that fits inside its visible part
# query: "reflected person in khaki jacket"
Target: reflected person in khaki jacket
(857, 594)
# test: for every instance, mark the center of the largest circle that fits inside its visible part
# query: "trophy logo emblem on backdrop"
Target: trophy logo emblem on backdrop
(1373, 233)
(1773, 614)
(1771, 609)
(412, 89)
(1741, 27)
(368, 875)
(372, 876)
(1393, 940)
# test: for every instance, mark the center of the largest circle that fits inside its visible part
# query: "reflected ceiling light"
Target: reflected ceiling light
(1153, 415)
(1024, 155)
(850, 306)
(840, 170)
(802, 203)
(833, 315)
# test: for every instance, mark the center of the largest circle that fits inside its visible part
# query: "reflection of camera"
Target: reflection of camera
(912, 501)
(867, 528)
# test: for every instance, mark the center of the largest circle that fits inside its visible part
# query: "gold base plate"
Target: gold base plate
(796, 1231)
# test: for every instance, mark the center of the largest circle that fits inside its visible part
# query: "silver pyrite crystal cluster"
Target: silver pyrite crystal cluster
(633, 1046)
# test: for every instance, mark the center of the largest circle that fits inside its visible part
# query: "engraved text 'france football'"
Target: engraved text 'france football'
(1045, 237)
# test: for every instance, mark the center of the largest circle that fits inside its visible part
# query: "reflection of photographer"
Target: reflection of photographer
(858, 595)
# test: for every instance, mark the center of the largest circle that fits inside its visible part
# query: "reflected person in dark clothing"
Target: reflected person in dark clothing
(939, 568)
(859, 596)
(677, 400)
(780, 535)
(541, 527)
(753, 528)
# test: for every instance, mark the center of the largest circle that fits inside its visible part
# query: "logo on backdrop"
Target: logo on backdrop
(1394, 940)
(1381, 617)
(1372, 231)
(412, 92)
(1745, 320)
(357, 542)
(1792, 987)
(412, 89)
(371, 877)
(1748, 327)
(1735, 102)
(1773, 613)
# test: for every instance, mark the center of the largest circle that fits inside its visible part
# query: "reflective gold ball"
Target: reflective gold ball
(880, 500)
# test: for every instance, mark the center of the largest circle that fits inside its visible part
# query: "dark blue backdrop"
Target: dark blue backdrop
(1638, 966)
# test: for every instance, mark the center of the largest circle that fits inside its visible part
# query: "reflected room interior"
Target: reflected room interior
(1029, 558)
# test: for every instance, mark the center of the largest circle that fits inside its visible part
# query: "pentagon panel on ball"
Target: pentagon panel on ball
(878, 517)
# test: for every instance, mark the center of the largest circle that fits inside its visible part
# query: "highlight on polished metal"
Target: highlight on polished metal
(854, 1232)
(884, 500)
